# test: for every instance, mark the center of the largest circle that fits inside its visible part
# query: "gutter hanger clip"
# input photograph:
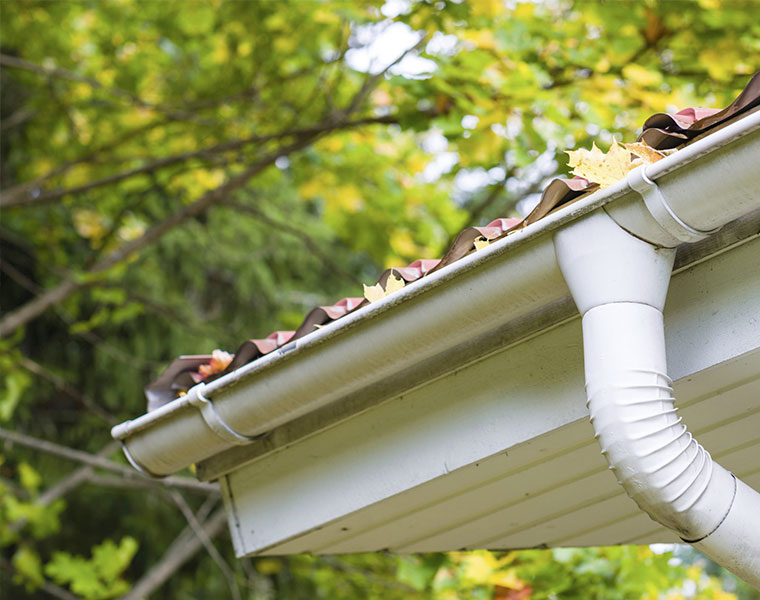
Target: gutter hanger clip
(213, 419)
(659, 208)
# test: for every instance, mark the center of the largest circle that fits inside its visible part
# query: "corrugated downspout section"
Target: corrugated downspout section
(620, 283)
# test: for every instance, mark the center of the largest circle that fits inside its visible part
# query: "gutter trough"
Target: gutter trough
(707, 184)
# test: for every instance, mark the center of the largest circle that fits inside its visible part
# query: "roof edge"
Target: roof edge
(503, 282)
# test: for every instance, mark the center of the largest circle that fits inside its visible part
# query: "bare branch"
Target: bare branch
(73, 479)
(114, 481)
(88, 336)
(17, 193)
(370, 83)
(19, 277)
(30, 196)
(17, 118)
(100, 462)
(207, 544)
(65, 485)
(11, 321)
(61, 73)
(58, 294)
(57, 591)
(68, 389)
(184, 547)
(307, 240)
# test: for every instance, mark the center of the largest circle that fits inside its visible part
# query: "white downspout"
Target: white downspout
(619, 284)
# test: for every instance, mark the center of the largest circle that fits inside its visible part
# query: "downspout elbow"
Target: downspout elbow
(619, 284)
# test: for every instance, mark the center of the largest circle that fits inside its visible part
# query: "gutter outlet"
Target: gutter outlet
(619, 283)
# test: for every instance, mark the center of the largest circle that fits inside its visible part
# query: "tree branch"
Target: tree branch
(372, 81)
(61, 73)
(65, 485)
(58, 294)
(206, 541)
(88, 336)
(184, 547)
(30, 196)
(68, 389)
(100, 462)
(17, 193)
(307, 240)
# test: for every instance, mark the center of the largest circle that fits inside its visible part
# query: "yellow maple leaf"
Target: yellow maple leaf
(645, 152)
(481, 243)
(601, 168)
(373, 293)
(606, 169)
(393, 284)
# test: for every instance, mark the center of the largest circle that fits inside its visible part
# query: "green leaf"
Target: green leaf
(97, 578)
(28, 568)
(413, 571)
(30, 478)
(16, 382)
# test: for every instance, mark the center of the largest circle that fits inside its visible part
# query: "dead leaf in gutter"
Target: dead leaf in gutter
(606, 169)
(373, 293)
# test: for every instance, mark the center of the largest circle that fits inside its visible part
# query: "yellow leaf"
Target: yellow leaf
(90, 224)
(268, 566)
(478, 567)
(221, 52)
(402, 242)
(603, 65)
(641, 76)
(601, 168)
(481, 243)
(373, 293)
(347, 197)
(645, 152)
(394, 284)
(487, 8)
(506, 579)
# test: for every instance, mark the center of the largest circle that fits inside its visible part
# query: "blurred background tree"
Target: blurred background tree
(179, 176)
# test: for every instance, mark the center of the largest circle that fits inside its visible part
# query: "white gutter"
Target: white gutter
(619, 283)
(485, 290)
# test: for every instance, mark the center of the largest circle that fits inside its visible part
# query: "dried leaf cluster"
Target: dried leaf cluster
(606, 169)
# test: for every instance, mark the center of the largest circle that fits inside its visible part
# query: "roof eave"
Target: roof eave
(428, 321)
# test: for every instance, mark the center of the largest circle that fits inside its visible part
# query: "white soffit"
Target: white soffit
(499, 453)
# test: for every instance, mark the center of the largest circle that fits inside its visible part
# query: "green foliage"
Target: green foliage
(21, 513)
(96, 578)
(28, 568)
(14, 379)
(119, 117)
